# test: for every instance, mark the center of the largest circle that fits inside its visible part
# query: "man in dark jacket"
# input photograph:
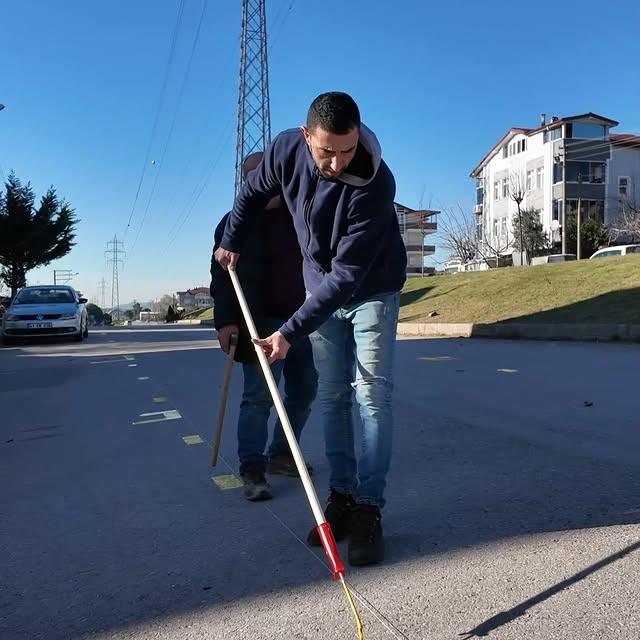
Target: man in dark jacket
(340, 193)
(271, 279)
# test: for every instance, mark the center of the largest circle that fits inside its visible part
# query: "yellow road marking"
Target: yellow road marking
(227, 482)
(159, 399)
(193, 439)
(158, 416)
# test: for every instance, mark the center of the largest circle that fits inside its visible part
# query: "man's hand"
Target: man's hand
(275, 347)
(224, 336)
(226, 259)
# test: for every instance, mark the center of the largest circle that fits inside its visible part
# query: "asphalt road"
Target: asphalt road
(513, 503)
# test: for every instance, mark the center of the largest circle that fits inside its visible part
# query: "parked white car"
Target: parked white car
(53, 310)
(622, 250)
(554, 258)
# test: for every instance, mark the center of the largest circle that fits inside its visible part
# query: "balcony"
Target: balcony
(477, 209)
(428, 249)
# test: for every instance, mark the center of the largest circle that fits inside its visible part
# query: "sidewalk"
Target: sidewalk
(584, 332)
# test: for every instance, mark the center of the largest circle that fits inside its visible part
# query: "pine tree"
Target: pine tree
(31, 237)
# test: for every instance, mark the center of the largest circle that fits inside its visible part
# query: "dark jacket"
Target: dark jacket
(270, 276)
(347, 228)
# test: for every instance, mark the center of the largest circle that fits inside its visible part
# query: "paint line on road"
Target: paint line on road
(144, 378)
(507, 370)
(159, 399)
(193, 439)
(158, 416)
(129, 358)
(132, 365)
(227, 482)
(437, 358)
(106, 361)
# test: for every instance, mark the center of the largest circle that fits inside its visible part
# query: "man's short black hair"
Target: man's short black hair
(335, 112)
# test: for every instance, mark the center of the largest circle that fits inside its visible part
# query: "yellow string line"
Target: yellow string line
(348, 590)
(352, 604)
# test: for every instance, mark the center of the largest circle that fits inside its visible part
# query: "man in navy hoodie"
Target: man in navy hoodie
(340, 193)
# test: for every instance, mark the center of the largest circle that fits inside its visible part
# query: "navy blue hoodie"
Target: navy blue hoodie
(347, 228)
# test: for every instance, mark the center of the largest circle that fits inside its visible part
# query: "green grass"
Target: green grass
(590, 291)
(199, 314)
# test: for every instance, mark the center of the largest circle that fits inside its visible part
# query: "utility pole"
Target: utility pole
(578, 218)
(102, 288)
(113, 252)
(254, 121)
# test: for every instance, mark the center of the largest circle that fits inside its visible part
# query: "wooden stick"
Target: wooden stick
(233, 341)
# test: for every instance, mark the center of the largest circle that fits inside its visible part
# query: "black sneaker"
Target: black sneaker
(367, 542)
(255, 485)
(338, 515)
(284, 465)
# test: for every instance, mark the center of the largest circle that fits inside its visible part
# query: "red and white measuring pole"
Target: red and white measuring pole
(323, 528)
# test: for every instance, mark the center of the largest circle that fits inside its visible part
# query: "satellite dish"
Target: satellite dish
(555, 225)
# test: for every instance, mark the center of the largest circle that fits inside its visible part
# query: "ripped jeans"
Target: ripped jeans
(353, 352)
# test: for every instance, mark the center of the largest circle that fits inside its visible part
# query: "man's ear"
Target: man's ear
(307, 134)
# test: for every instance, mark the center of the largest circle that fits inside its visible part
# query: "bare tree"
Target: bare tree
(467, 241)
(626, 226)
(517, 193)
(458, 233)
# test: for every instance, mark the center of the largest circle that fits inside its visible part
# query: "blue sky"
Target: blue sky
(438, 83)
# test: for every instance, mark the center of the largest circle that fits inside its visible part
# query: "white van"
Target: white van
(622, 250)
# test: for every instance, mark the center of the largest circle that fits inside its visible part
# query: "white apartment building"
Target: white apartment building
(558, 163)
(415, 226)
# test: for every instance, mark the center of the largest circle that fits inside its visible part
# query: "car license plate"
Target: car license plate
(39, 325)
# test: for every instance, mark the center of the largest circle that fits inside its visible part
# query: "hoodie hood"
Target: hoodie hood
(368, 155)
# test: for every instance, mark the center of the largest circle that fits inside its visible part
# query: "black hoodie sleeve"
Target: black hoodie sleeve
(368, 222)
(259, 187)
(227, 310)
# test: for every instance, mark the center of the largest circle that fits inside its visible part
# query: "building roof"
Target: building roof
(530, 132)
(194, 291)
(400, 208)
(625, 140)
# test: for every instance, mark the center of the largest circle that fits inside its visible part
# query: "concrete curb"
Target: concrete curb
(584, 332)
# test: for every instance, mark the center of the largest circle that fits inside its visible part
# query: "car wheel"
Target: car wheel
(79, 337)
(86, 331)
(6, 340)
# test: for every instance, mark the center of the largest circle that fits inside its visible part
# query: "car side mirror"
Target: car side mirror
(82, 301)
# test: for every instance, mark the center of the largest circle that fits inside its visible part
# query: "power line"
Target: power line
(172, 48)
(185, 79)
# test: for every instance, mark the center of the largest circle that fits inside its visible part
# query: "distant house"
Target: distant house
(415, 226)
(197, 298)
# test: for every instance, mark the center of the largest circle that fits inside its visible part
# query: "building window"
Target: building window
(592, 172)
(557, 211)
(505, 188)
(589, 210)
(479, 196)
(495, 228)
(503, 228)
(530, 180)
(552, 134)
(505, 151)
(623, 186)
(586, 130)
(496, 190)
(540, 178)
(557, 172)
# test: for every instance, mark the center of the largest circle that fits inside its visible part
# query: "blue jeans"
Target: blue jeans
(300, 387)
(353, 351)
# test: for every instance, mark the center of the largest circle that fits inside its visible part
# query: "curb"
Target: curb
(583, 332)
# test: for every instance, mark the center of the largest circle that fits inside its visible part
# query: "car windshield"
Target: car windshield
(44, 296)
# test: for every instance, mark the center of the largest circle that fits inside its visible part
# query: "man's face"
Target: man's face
(332, 153)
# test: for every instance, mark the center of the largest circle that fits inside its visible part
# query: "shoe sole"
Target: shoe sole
(264, 494)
